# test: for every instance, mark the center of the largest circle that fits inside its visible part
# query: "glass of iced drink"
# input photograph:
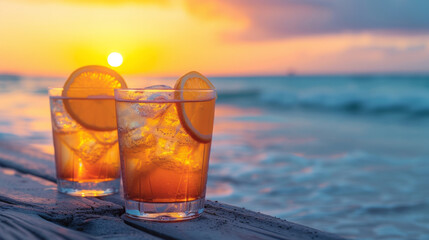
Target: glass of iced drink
(84, 133)
(164, 140)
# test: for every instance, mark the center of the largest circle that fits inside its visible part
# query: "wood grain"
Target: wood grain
(28, 192)
(17, 225)
(222, 221)
(27, 199)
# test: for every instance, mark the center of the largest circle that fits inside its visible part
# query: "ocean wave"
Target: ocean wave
(379, 209)
(9, 77)
(357, 102)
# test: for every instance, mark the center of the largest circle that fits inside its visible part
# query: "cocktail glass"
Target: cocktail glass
(87, 160)
(164, 140)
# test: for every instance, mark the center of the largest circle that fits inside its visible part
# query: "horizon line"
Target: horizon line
(292, 74)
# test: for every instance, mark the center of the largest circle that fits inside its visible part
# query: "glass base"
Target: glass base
(164, 212)
(88, 189)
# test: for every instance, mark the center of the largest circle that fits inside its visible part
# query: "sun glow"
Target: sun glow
(115, 59)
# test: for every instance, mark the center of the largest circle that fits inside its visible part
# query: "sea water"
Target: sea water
(343, 154)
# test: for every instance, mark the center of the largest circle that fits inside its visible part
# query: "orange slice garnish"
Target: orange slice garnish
(196, 108)
(90, 100)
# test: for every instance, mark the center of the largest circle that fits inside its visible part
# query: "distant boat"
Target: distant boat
(9, 77)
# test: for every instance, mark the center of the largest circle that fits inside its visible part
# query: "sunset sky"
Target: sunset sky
(224, 37)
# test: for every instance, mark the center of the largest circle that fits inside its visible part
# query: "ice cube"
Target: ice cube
(137, 139)
(178, 158)
(153, 110)
(160, 87)
(85, 146)
(135, 115)
(164, 142)
(175, 148)
(137, 164)
(170, 127)
(61, 120)
(128, 118)
(105, 137)
(136, 147)
(168, 124)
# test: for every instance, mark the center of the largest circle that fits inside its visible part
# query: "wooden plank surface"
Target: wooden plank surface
(17, 225)
(37, 200)
(27, 186)
(27, 160)
(222, 221)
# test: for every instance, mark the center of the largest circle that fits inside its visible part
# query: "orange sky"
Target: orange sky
(47, 37)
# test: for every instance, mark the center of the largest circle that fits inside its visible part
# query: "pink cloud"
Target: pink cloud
(273, 19)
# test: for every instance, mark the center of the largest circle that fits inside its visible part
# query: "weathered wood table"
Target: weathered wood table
(31, 208)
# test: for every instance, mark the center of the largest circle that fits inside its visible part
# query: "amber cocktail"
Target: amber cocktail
(85, 133)
(87, 160)
(164, 139)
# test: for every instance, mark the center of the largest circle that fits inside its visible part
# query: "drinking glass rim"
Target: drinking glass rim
(163, 90)
(139, 89)
(79, 88)
(56, 92)
(206, 95)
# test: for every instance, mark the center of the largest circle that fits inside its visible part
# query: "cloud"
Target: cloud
(289, 18)
(104, 2)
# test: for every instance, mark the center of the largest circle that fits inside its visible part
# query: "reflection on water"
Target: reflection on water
(314, 152)
(8, 171)
(45, 148)
(219, 189)
(322, 171)
(25, 115)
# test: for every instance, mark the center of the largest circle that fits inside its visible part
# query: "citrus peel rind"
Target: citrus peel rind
(89, 97)
(197, 124)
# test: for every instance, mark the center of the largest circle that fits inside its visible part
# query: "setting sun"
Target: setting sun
(115, 59)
